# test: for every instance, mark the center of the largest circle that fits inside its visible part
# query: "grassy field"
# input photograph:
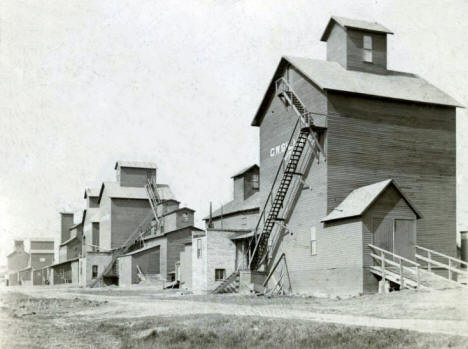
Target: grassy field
(29, 322)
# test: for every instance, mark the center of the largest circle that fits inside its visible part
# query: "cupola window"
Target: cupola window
(367, 48)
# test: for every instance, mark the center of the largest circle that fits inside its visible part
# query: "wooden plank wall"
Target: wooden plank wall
(370, 140)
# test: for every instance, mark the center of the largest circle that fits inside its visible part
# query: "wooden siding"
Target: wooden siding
(134, 177)
(73, 249)
(336, 46)
(36, 262)
(278, 123)
(354, 47)
(176, 242)
(149, 262)
(310, 207)
(389, 206)
(199, 265)
(370, 140)
(65, 224)
(242, 220)
(105, 221)
(221, 252)
(42, 245)
(17, 260)
(126, 215)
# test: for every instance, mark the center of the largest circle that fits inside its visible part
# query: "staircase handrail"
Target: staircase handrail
(449, 266)
(409, 261)
(442, 255)
(399, 265)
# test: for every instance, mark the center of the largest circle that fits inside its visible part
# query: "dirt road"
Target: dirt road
(146, 302)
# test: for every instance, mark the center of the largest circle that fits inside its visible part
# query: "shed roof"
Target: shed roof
(359, 200)
(140, 250)
(243, 236)
(353, 23)
(91, 192)
(331, 76)
(234, 206)
(244, 170)
(63, 262)
(114, 190)
(136, 164)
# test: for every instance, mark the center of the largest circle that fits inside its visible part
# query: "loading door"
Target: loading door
(383, 233)
(395, 235)
(404, 235)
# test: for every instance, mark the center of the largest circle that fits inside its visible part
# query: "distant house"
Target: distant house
(17, 260)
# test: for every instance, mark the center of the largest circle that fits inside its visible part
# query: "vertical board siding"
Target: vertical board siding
(389, 206)
(370, 140)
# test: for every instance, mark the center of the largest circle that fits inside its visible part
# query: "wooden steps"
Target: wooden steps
(229, 285)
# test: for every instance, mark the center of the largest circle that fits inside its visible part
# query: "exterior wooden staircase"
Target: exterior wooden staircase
(275, 202)
(412, 275)
(110, 269)
(229, 285)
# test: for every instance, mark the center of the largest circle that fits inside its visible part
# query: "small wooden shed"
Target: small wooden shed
(379, 214)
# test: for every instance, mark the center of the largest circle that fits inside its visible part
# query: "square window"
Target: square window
(220, 274)
(42, 259)
(367, 55)
(367, 42)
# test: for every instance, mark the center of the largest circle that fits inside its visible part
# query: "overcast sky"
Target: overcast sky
(86, 83)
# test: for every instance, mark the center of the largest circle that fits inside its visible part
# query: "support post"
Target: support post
(382, 257)
(402, 280)
(429, 266)
(450, 269)
(417, 277)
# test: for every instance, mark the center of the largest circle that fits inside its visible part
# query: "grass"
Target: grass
(27, 322)
(218, 331)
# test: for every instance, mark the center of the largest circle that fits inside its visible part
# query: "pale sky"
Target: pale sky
(86, 83)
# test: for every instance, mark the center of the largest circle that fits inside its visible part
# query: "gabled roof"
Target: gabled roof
(114, 190)
(91, 192)
(245, 170)
(235, 206)
(359, 200)
(331, 76)
(135, 164)
(353, 23)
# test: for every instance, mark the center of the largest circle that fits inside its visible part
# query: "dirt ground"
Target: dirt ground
(143, 317)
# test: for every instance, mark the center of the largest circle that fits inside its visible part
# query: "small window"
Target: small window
(185, 217)
(313, 241)
(42, 259)
(199, 248)
(367, 54)
(95, 271)
(220, 274)
(255, 184)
